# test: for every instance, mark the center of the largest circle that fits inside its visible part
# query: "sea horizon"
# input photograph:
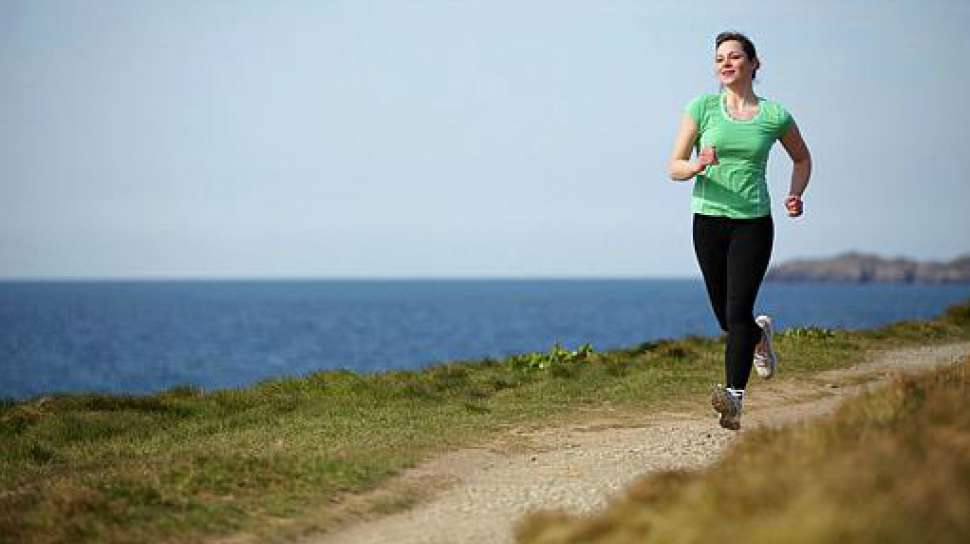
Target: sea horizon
(142, 335)
(361, 278)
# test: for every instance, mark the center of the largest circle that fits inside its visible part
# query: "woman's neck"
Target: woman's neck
(740, 95)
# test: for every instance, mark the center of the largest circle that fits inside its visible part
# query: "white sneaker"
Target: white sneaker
(728, 405)
(765, 363)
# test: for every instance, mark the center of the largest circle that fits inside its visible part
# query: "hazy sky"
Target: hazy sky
(444, 138)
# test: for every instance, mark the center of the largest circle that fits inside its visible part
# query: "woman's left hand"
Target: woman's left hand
(794, 205)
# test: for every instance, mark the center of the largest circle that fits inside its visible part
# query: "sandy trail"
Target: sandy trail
(482, 492)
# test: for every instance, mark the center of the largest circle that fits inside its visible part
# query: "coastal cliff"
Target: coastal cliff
(861, 268)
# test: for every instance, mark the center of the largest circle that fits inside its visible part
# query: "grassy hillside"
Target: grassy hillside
(278, 459)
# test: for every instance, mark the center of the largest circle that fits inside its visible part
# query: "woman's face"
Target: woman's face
(732, 64)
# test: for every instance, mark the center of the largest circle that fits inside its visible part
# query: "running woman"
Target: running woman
(733, 131)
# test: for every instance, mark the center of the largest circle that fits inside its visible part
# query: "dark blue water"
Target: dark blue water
(137, 337)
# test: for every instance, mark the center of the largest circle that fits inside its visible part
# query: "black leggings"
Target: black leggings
(733, 255)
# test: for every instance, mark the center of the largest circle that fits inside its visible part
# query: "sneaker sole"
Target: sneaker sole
(727, 409)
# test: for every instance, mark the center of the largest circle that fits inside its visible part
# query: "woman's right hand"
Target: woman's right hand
(706, 157)
(794, 205)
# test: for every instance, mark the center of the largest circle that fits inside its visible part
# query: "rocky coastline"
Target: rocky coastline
(858, 267)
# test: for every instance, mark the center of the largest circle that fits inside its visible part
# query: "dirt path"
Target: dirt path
(484, 491)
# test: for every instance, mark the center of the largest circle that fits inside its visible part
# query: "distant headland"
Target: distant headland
(862, 268)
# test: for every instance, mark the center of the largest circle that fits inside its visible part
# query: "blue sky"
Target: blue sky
(227, 139)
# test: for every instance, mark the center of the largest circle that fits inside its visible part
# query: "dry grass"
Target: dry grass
(891, 466)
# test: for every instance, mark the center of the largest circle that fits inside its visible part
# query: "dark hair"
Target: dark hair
(745, 44)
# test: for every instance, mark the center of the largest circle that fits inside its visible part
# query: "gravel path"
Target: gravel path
(578, 467)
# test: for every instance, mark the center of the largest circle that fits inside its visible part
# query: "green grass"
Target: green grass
(276, 459)
(892, 466)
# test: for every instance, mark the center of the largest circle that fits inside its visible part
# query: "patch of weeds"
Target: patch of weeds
(808, 333)
(186, 391)
(645, 347)
(448, 377)
(958, 314)
(290, 387)
(915, 330)
(39, 454)
(88, 427)
(487, 362)
(673, 349)
(415, 388)
(13, 525)
(699, 341)
(179, 407)
(20, 418)
(235, 400)
(118, 403)
(342, 382)
(130, 492)
(559, 361)
(476, 408)
(498, 383)
(284, 404)
(478, 393)
(615, 365)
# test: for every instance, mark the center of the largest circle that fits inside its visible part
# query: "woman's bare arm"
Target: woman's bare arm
(681, 167)
(801, 159)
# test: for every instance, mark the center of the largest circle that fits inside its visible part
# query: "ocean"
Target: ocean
(140, 337)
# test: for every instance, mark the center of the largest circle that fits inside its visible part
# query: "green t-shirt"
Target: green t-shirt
(736, 186)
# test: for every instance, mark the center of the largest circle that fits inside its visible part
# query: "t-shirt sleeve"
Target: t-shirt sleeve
(695, 108)
(784, 121)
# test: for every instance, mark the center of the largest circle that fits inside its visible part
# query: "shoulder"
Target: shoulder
(703, 99)
(774, 109)
(776, 114)
(699, 106)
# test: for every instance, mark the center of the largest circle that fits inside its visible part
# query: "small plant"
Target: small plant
(557, 359)
(808, 333)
